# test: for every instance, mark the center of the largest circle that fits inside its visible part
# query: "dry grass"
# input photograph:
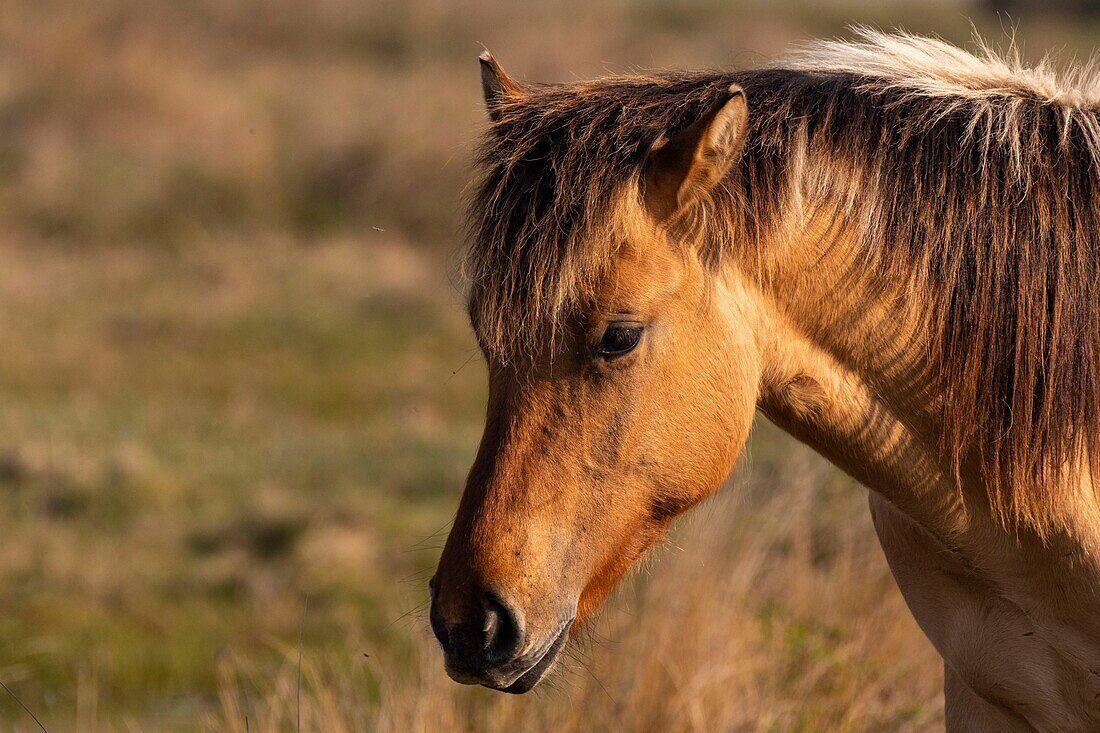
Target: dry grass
(235, 374)
(771, 613)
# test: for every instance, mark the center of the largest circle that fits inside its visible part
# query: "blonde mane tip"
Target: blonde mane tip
(930, 67)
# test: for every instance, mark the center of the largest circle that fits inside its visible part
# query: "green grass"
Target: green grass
(175, 472)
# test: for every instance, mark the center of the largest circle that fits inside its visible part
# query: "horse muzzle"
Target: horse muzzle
(490, 644)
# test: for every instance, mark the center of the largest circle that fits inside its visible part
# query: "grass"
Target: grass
(771, 610)
(235, 375)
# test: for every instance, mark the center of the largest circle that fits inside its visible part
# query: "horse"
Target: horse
(888, 246)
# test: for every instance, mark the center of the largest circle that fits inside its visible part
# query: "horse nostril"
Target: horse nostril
(487, 635)
(502, 628)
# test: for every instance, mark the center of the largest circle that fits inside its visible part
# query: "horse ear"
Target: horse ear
(496, 84)
(696, 158)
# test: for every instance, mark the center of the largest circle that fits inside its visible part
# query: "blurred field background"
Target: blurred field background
(238, 396)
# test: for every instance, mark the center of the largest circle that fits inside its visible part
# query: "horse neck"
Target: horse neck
(845, 370)
(848, 369)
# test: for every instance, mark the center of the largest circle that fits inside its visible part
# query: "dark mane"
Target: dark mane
(975, 178)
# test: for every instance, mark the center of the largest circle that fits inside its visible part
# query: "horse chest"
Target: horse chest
(1027, 668)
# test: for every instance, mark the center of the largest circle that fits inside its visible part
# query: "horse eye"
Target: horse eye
(619, 339)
